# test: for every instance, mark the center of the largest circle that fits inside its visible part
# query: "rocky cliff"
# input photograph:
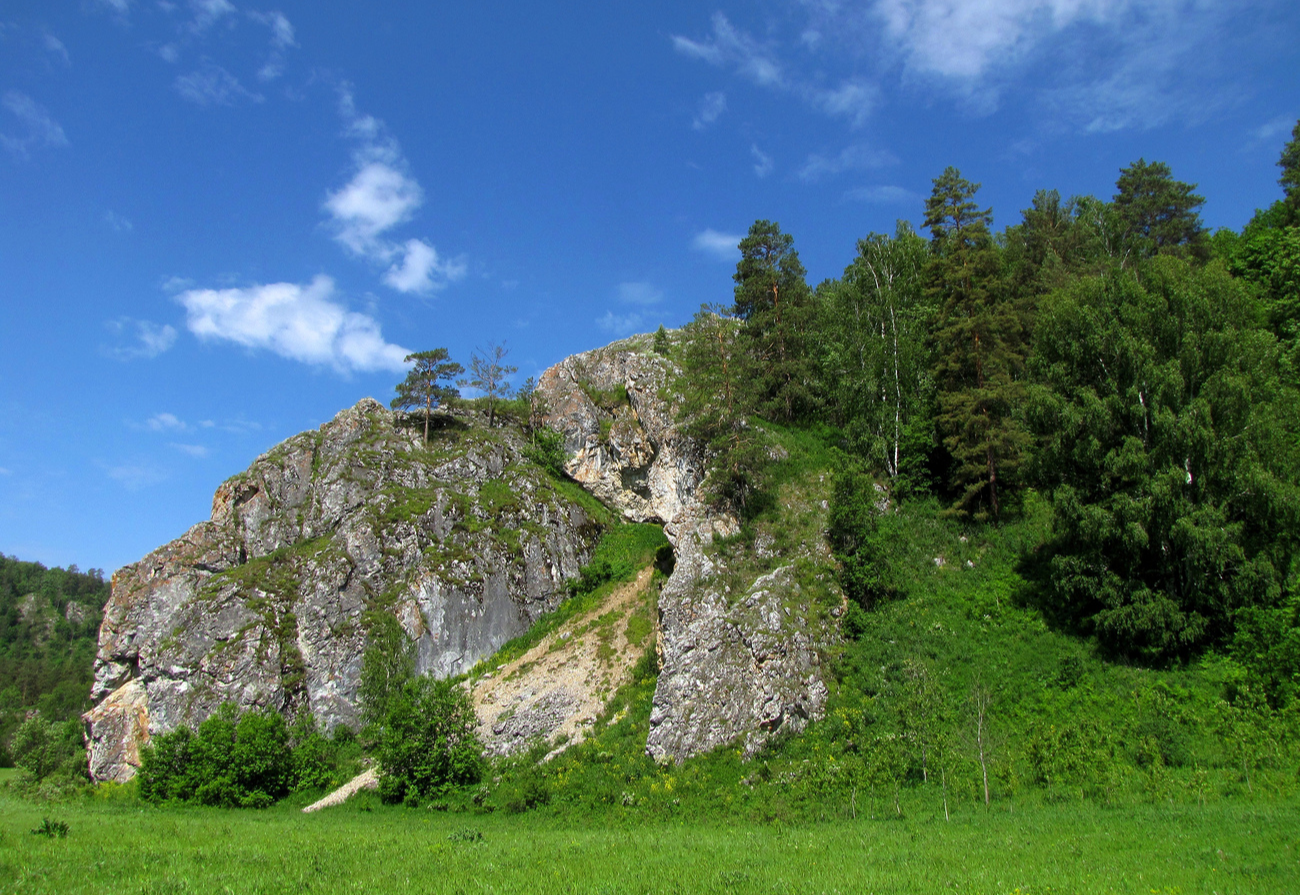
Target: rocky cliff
(466, 543)
(266, 603)
(741, 631)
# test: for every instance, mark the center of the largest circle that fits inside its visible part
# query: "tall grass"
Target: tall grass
(365, 847)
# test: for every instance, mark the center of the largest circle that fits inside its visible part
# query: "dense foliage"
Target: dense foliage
(249, 760)
(1108, 355)
(49, 621)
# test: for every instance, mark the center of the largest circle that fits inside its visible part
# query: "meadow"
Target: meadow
(123, 846)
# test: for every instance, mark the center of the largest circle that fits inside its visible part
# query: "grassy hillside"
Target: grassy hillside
(49, 621)
(1237, 847)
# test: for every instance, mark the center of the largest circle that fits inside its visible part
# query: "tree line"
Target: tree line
(1112, 356)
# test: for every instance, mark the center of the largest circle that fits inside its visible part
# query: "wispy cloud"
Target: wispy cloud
(212, 85)
(759, 62)
(882, 195)
(1098, 64)
(302, 323)
(1271, 130)
(208, 12)
(723, 246)
(282, 39)
(165, 422)
(139, 339)
(381, 196)
(121, 7)
(640, 293)
(117, 222)
(712, 105)
(763, 164)
(136, 476)
(197, 451)
(620, 324)
(852, 158)
(55, 48)
(35, 126)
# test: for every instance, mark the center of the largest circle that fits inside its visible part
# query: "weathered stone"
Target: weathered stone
(116, 729)
(264, 605)
(731, 670)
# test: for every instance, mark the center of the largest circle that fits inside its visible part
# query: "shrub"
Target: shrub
(427, 742)
(247, 760)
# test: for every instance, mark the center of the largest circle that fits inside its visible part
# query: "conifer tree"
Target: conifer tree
(1159, 213)
(979, 351)
(422, 385)
(773, 299)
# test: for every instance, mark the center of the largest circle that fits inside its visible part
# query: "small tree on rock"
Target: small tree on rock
(490, 375)
(423, 386)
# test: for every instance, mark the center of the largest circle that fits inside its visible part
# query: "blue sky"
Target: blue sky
(221, 222)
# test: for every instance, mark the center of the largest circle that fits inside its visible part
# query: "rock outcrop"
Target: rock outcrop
(268, 603)
(465, 542)
(733, 668)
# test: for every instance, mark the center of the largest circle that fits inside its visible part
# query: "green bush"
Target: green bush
(427, 742)
(249, 760)
(547, 450)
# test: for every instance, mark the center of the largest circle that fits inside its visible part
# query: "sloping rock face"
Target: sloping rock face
(733, 668)
(268, 603)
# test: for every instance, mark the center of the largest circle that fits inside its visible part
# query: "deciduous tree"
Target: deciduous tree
(489, 374)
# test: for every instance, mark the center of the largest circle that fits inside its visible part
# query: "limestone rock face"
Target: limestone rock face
(266, 604)
(733, 669)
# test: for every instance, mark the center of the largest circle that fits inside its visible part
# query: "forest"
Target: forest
(1112, 358)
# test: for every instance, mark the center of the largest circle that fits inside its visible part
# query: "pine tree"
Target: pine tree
(1159, 213)
(422, 386)
(979, 351)
(773, 300)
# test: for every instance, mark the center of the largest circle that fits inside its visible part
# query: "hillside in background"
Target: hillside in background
(49, 626)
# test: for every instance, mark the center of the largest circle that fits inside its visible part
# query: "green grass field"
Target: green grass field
(1226, 847)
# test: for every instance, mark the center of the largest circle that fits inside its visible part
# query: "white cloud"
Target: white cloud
(38, 129)
(728, 46)
(146, 339)
(422, 271)
(712, 105)
(56, 47)
(1101, 64)
(381, 196)
(882, 195)
(302, 323)
(378, 198)
(640, 293)
(1279, 127)
(852, 158)
(197, 451)
(136, 476)
(763, 164)
(723, 246)
(117, 222)
(281, 28)
(282, 38)
(620, 324)
(165, 422)
(208, 12)
(212, 85)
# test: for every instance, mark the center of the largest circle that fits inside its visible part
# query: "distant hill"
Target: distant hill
(49, 624)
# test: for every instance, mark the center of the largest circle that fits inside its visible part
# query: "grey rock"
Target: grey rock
(464, 543)
(731, 670)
